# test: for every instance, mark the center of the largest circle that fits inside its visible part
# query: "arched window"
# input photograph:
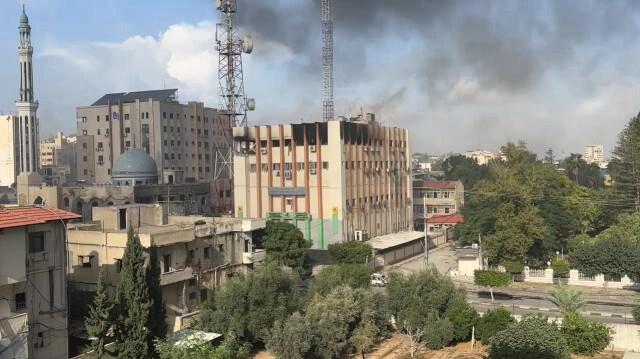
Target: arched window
(127, 202)
(202, 201)
(38, 200)
(79, 207)
(94, 204)
(109, 203)
(65, 202)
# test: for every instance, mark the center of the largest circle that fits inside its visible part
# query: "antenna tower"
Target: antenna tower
(327, 60)
(234, 104)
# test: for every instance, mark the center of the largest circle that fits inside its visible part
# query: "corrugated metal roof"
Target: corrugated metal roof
(29, 215)
(394, 239)
(125, 97)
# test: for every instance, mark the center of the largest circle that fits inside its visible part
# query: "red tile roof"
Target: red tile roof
(435, 184)
(446, 219)
(28, 215)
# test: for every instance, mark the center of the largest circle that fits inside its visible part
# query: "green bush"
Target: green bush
(492, 322)
(531, 338)
(350, 252)
(463, 318)
(578, 241)
(438, 332)
(491, 279)
(560, 268)
(584, 336)
(636, 314)
(353, 275)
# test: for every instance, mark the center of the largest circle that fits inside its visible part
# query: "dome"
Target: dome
(24, 19)
(134, 164)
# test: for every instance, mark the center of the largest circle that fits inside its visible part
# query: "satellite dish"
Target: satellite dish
(247, 44)
(217, 4)
(251, 104)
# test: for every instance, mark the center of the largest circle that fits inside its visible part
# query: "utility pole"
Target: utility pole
(426, 238)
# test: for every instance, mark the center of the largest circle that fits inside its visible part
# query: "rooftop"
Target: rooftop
(29, 215)
(446, 219)
(126, 97)
(394, 239)
(435, 184)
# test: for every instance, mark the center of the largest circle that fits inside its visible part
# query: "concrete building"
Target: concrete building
(180, 138)
(434, 198)
(58, 160)
(337, 181)
(442, 223)
(33, 285)
(594, 154)
(9, 149)
(196, 253)
(483, 157)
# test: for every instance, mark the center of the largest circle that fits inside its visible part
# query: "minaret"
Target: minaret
(27, 105)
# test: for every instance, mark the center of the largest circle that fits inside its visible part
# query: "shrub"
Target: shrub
(584, 336)
(578, 241)
(560, 268)
(353, 275)
(492, 322)
(438, 332)
(531, 338)
(463, 318)
(491, 279)
(350, 252)
(636, 314)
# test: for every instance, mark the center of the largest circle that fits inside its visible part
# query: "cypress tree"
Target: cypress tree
(133, 303)
(157, 323)
(98, 321)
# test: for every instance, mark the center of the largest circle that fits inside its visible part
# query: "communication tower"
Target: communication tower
(327, 60)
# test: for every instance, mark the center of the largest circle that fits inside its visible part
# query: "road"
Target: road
(444, 259)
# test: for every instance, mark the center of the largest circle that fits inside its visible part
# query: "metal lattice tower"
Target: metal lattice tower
(234, 104)
(327, 60)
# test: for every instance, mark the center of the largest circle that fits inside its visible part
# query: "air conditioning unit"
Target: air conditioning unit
(377, 149)
(277, 173)
(312, 148)
(378, 204)
(388, 170)
(287, 174)
(106, 135)
(312, 171)
(263, 151)
(362, 206)
(366, 148)
(125, 135)
(358, 235)
(377, 169)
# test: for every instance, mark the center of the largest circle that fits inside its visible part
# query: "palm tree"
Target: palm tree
(568, 299)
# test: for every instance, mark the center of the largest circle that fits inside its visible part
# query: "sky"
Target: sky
(460, 75)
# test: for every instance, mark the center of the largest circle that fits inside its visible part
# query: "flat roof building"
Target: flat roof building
(432, 198)
(337, 181)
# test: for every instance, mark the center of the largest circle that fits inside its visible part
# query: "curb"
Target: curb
(552, 310)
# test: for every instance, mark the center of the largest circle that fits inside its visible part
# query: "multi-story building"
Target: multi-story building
(337, 181)
(58, 159)
(33, 284)
(483, 157)
(181, 138)
(434, 198)
(9, 149)
(594, 154)
(196, 253)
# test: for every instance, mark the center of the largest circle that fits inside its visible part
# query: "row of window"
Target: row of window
(172, 156)
(186, 143)
(164, 115)
(434, 209)
(287, 166)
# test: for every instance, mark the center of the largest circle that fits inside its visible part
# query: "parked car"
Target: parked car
(378, 279)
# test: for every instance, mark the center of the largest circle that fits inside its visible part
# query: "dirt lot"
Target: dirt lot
(397, 347)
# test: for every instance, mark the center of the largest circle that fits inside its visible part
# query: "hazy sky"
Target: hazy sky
(460, 75)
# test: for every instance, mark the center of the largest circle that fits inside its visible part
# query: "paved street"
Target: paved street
(445, 260)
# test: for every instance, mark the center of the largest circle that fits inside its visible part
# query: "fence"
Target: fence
(576, 278)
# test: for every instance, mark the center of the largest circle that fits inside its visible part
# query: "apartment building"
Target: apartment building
(58, 159)
(435, 198)
(594, 154)
(181, 138)
(337, 181)
(33, 286)
(484, 157)
(9, 150)
(196, 253)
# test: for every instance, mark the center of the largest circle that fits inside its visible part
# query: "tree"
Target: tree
(157, 322)
(568, 299)
(133, 303)
(549, 157)
(291, 338)
(560, 268)
(285, 245)
(584, 336)
(465, 169)
(462, 317)
(492, 322)
(248, 305)
(531, 338)
(491, 279)
(611, 257)
(627, 227)
(625, 165)
(200, 348)
(438, 332)
(350, 252)
(353, 275)
(98, 322)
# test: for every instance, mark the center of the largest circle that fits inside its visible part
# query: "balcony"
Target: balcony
(176, 276)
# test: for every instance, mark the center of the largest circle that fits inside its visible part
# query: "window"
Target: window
(172, 142)
(165, 142)
(100, 159)
(100, 145)
(207, 253)
(147, 115)
(42, 340)
(126, 116)
(203, 295)
(98, 131)
(164, 115)
(84, 159)
(127, 130)
(84, 261)
(127, 143)
(166, 262)
(325, 165)
(166, 156)
(300, 166)
(252, 168)
(84, 132)
(21, 300)
(192, 296)
(106, 118)
(85, 172)
(118, 265)
(171, 129)
(206, 132)
(36, 242)
(84, 145)
(164, 129)
(192, 282)
(206, 169)
(98, 118)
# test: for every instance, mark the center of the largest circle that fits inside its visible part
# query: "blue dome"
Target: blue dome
(134, 163)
